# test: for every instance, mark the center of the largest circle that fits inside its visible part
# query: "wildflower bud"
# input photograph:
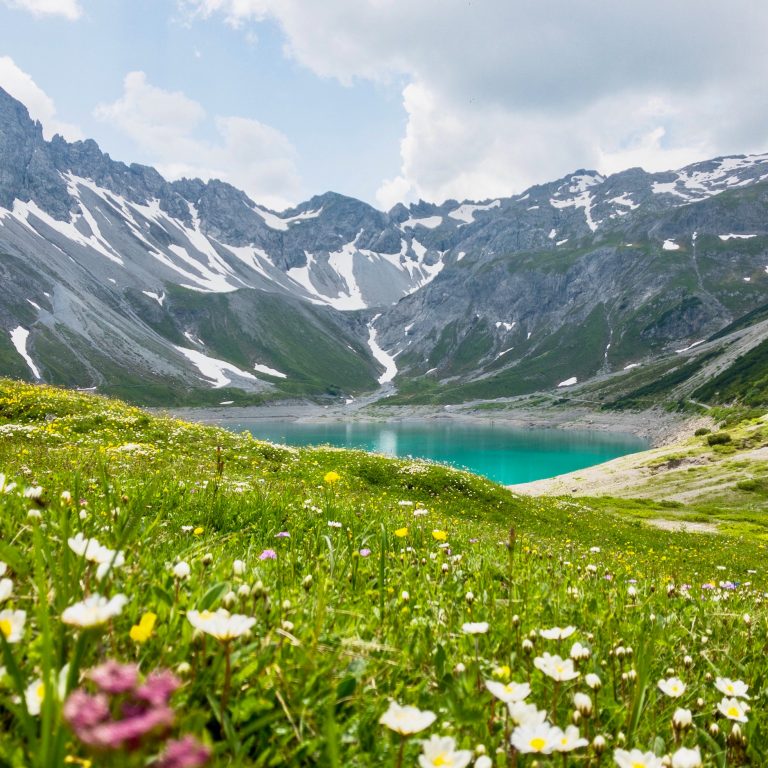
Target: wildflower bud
(445, 567)
(624, 677)
(708, 677)
(619, 652)
(747, 619)
(576, 717)
(470, 597)
(184, 668)
(652, 618)
(621, 738)
(483, 762)
(66, 497)
(714, 729)
(666, 761)
(238, 568)
(682, 719)
(480, 750)
(181, 570)
(527, 646)
(590, 637)
(598, 745)
(700, 703)
(259, 590)
(704, 639)
(243, 591)
(734, 737)
(82, 514)
(632, 675)
(629, 650)
(307, 582)
(34, 514)
(593, 681)
(532, 634)
(515, 621)
(405, 597)
(286, 605)
(288, 626)
(229, 598)
(459, 669)
(207, 558)
(688, 661)
(583, 704)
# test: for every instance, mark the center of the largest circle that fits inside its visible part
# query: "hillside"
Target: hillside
(192, 293)
(359, 580)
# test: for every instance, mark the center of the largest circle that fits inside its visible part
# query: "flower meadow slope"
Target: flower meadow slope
(176, 595)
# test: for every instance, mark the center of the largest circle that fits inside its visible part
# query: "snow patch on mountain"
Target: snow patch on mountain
(342, 263)
(273, 221)
(22, 211)
(158, 297)
(466, 212)
(213, 369)
(625, 200)
(19, 338)
(259, 368)
(430, 222)
(584, 201)
(670, 245)
(382, 357)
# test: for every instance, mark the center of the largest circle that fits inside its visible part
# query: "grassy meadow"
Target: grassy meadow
(178, 595)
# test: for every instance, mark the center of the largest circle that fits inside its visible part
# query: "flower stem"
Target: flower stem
(227, 677)
(400, 752)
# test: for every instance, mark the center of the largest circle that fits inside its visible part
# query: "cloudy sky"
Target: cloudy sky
(391, 100)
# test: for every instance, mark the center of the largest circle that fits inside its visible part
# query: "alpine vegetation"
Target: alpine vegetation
(178, 595)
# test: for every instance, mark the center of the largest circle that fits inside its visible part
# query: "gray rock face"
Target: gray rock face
(126, 272)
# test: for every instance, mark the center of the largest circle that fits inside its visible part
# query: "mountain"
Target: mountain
(114, 278)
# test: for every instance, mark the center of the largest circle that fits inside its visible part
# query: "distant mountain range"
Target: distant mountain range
(190, 292)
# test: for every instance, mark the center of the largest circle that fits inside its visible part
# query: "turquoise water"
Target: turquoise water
(502, 453)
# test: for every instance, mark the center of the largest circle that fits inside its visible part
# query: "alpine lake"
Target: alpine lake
(502, 453)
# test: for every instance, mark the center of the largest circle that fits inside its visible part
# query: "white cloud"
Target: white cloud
(69, 9)
(165, 126)
(22, 87)
(502, 94)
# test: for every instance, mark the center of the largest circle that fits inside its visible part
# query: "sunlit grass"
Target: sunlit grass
(356, 575)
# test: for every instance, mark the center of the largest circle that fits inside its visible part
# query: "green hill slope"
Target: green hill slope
(361, 579)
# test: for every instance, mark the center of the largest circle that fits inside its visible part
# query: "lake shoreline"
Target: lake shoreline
(656, 426)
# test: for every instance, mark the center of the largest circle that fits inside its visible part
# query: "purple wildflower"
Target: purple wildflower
(184, 753)
(283, 535)
(473, 541)
(83, 711)
(113, 677)
(130, 731)
(268, 554)
(365, 552)
(158, 687)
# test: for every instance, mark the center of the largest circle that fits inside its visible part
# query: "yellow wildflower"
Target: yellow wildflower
(142, 631)
(401, 532)
(332, 477)
(439, 535)
(198, 531)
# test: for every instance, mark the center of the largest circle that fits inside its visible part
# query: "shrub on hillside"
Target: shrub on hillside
(719, 438)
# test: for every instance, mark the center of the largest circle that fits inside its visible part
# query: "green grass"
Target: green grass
(338, 632)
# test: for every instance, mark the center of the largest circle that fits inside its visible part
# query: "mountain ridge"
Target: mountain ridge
(188, 285)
